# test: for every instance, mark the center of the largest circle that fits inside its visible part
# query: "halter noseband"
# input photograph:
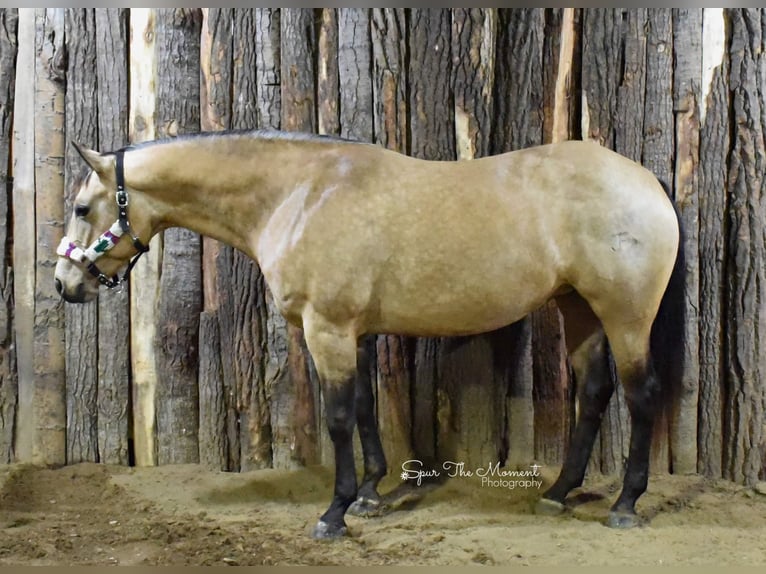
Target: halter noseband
(109, 238)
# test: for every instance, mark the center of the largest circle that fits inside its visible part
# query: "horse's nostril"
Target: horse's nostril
(59, 287)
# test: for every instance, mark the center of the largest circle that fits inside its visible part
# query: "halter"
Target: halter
(109, 238)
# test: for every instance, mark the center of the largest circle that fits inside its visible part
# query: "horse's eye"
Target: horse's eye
(81, 210)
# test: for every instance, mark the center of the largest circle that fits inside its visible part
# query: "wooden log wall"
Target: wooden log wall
(9, 390)
(192, 363)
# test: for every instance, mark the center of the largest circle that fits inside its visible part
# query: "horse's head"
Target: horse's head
(100, 240)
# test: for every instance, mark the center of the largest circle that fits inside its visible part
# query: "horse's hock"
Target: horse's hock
(140, 377)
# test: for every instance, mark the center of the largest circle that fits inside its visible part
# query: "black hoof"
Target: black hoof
(622, 519)
(326, 531)
(548, 507)
(367, 507)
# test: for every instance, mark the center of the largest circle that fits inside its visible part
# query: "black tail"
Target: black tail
(668, 337)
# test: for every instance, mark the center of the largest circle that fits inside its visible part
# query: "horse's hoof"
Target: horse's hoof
(325, 531)
(548, 507)
(622, 519)
(366, 507)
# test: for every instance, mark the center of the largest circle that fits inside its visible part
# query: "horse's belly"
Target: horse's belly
(452, 313)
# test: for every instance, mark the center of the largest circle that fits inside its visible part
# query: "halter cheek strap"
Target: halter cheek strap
(109, 238)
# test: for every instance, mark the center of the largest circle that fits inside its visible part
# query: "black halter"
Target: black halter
(109, 238)
(122, 208)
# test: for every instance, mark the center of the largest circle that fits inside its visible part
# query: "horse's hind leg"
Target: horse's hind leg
(630, 347)
(368, 499)
(595, 388)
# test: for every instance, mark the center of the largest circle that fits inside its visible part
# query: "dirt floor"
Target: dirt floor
(92, 514)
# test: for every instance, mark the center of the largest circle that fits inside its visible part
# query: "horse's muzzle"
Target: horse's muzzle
(78, 295)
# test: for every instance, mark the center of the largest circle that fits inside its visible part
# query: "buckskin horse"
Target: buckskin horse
(354, 239)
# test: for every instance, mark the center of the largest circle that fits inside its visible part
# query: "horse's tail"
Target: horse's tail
(668, 337)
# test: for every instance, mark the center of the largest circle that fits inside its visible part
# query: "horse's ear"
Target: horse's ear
(97, 162)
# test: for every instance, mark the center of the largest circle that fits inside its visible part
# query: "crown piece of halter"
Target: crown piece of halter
(107, 240)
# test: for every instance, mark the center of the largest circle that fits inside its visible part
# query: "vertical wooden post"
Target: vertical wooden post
(9, 390)
(24, 239)
(180, 286)
(390, 123)
(658, 152)
(431, 122)
(355, 73)
(277, 375)
(328, 88)
(713, 207)
(687, 55)
(298, 405)
(519, 124)
(328, 122)
(112, 44)
(746, 270)
(81, 320)
(48, 342)
(215, 401)
(612, 115)
(242, 310)
(473, 432)
(144, 285)
(355, 115)
(551, 389)
(213, 442)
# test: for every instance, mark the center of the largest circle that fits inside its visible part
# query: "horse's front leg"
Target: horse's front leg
(333, 348)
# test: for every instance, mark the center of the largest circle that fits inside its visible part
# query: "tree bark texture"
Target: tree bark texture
(746, 295)
(552, 382)
(472, 432)
(242, 309)
(9, 390)
(297, 402)
(344, 108)
(713, 207)
(612, 115)
(218, 418)
(519, 105)
(114, 380)
(180, 296)
(658, 153)
(277, 374)
(81, 320)
(48, 339)
(213, 443)
(687, 52)
(431, 123)
(392, 354)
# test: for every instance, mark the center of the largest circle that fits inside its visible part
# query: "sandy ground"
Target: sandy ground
(92, 514)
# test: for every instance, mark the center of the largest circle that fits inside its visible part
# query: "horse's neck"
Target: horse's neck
(224, 191)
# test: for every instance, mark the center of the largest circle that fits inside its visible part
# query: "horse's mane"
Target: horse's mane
(260, 134)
